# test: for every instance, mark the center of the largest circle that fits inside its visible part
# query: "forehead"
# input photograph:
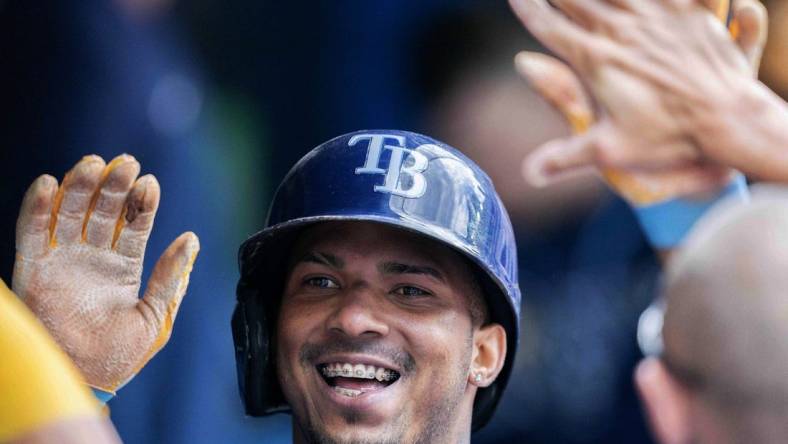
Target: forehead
(362, 239)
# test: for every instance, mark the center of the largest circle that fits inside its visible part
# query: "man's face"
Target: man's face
(375, 338)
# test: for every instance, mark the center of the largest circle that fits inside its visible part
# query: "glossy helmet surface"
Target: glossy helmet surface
(397, 178)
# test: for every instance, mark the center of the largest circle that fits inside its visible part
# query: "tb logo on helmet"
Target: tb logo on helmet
(403, 175)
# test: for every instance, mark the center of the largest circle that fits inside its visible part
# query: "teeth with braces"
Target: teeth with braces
(360, 371)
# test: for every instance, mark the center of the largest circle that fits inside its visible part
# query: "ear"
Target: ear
(667, 403)
(489, 353)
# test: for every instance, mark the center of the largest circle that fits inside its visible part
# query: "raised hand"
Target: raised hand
(662, 75)
(560, 159)
(80, 249)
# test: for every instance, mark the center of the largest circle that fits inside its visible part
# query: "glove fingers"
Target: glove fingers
(167, 286)
(32, 226)
(134, 227)
(109, 199)
(73, 200)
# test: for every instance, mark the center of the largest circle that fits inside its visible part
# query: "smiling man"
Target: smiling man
(380, 303)
(376, 332)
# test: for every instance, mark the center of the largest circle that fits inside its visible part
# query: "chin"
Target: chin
(341, 431)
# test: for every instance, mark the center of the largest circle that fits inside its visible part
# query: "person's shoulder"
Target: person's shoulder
(40, 385)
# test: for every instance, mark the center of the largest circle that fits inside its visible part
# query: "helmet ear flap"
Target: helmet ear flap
(252, 335)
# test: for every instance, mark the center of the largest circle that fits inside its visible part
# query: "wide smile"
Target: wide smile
(362, 383)
(357, 379)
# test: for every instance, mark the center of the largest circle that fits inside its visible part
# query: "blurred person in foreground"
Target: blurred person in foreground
(719, 360)
(720, 376)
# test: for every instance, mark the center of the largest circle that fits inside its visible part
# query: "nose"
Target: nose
(358, 314)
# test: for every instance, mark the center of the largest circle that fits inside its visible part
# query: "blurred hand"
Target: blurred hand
(556, 82)
(80, 250)
(657, 70)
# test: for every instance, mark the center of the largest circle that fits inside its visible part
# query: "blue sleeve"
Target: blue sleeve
(665, 224)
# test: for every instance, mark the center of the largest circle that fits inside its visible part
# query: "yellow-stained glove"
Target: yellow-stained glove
(80, 249)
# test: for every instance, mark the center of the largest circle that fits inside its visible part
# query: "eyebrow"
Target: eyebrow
(327, 259)
(400, 268)
(390, 267)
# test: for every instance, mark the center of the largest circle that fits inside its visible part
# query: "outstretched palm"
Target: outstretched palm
(80, 250)
(655, 70)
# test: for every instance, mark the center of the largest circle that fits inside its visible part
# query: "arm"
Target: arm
(44, 398)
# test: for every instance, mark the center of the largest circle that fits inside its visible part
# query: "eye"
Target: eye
(411, 291)
(321, 282)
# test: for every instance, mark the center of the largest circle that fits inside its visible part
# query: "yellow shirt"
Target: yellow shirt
(39, 384)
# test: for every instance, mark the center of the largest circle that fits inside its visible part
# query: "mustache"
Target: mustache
(311, 351)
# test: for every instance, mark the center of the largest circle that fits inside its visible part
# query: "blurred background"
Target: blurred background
(219, 99)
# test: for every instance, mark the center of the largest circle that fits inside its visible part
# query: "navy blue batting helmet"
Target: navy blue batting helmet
(397, 178)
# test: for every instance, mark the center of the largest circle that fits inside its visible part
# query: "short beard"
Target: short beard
(440, 418)
(443, 416)
(312, 436)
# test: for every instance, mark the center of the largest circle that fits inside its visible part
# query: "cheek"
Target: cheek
(442, 347)
(292, 332)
